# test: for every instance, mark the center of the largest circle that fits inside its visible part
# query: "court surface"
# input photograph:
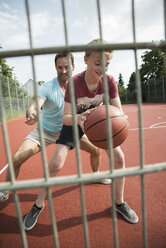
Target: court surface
(66, 199)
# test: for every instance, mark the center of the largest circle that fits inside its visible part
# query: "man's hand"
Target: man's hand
(31, 118)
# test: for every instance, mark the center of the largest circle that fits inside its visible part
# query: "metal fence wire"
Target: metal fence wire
(15, 101)
(80, 179)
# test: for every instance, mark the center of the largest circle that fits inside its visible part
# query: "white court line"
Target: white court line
(152, 126)
(4, 168)
(157, 124)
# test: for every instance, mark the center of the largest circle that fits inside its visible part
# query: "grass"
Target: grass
(9, 116)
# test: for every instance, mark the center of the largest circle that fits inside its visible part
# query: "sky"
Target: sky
(82, 25)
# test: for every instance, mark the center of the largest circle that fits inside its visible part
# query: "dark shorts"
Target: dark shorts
(66, 136)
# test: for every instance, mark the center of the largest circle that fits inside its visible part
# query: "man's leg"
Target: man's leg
(55, 166)
(27, 149)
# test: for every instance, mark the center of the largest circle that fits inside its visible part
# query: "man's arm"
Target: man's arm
(31, 113)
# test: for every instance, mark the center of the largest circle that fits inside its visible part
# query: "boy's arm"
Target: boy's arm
(67, 116)
(117, 103)
(31, 113)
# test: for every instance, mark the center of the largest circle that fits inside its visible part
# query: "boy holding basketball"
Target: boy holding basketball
(89, 93)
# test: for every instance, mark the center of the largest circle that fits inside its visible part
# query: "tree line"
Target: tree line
(152, 76)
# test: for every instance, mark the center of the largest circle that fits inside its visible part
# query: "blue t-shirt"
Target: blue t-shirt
(52, 109)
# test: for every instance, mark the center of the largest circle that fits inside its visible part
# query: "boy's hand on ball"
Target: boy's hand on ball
(82, 118)
(126, 116)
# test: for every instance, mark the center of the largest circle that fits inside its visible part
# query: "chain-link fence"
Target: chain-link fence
(15, 99)
(80, 179)
(15, 107)
(152, 92)
(155, 90)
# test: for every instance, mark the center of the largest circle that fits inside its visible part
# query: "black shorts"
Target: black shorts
(66, 136)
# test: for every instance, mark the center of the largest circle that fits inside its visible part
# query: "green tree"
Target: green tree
(8, 77)
(152, 66)
(4, 68)
(6, 72)
(120, 81)
(131, 87)
(121, 88)
(151, 71)
(40, 82)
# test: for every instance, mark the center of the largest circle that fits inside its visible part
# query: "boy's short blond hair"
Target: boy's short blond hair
(97, 41)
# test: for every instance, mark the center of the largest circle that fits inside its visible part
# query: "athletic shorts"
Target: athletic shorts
(66, 136)
(49, 137)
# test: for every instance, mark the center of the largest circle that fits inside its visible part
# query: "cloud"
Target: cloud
(6, 22)
(77, 24)
(40, 22)
(5, 6)
(45, 67)
(14, 29)
(12, 26)
(8, 16)
(22, 68)
(18, 40)
(12, 35)
(149, 20)
(117, 29)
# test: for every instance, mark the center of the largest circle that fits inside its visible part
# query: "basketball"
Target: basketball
(96, 126)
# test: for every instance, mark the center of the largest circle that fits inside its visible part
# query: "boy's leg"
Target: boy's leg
(121, 206)
(55, 166)
(95, 156)
(119, 163)
(25, 151)
(95, 153)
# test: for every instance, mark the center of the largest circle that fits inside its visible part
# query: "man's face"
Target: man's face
(62, 69)
(94, 64)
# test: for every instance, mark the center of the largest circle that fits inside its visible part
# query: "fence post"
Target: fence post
(163, 86)
(23, 101)
(18, 107)
(126, 95)
(10, 101)
(148, 92)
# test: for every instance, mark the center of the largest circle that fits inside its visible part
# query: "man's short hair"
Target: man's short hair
(62, 55)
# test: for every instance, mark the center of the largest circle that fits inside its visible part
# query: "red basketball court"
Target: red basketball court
(66, 199)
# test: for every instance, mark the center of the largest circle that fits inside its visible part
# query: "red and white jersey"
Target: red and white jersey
(84, 98)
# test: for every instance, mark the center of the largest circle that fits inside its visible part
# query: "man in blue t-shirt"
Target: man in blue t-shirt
(51, 103)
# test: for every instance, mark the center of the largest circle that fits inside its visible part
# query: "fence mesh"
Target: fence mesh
(155, 91)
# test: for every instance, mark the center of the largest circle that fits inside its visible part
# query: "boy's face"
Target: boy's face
(94, 63)
(62, 69)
